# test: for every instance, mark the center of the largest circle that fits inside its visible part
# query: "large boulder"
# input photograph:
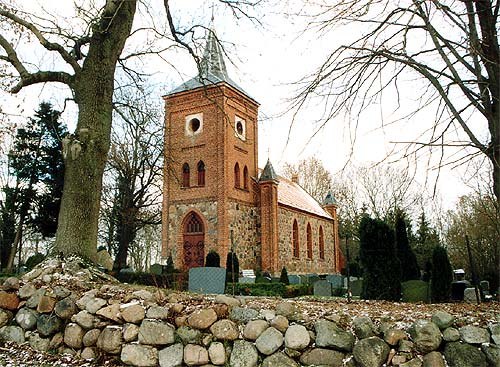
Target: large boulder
(426, 335)
(279, 359)
(243, 315)
(495, 332)
(12, 333)
(474, 335)
(464, 355)
(217, 353)
(322, 357)
(38, 343)
(26, 318)
(66, 308)
(5, 317)
(195, 355)
(132, 312)
(171, 356)
(254, 328)
(48, 325)
(269, 341)
(329, 335)
(443, 319)
(110, 340)
(492, 353)
(155, 332)
(73, 336)
(139, 355)
(297, 337)
(188, 334)
(244, 354)
(363, 327)
(9, 301)
(225, 330)
(371, 352)
(433, 359)
(202, 319)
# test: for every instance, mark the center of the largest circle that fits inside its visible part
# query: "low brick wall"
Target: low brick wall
(144, 328)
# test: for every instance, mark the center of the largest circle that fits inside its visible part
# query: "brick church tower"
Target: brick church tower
(210, 192)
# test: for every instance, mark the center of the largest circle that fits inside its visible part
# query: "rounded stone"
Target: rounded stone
(279, 359)
(243, 315)
(65, 308)
(48, 325)
(443, 319)
(225, 330)
(280, 322)
(90, 337)
(195, 355)
(287, 309)
(12, 333)
(474, 335)
(329, 335)
(73, 336)
(130, 332)
(433, 359)
(11, 284)
(463, 355)
(26, 318)
(133, 313)
(217, 353)
(202, 319)
(269, 341)
(254, 328)
(38, 343)
(451, 335)
(110, 340)
(156, 332)
(371, 352)
(88, 353)
(8, 301)
(139, 355)
(158, 312)
(426, 336)
(27, 290)
(322, 357)
(171, 356)
(5, 317)
(244, 354)
(297, 337)
(363, 327)
(393, 336)
(188, 335)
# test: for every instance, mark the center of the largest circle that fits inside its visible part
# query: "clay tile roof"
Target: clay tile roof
(293, 195)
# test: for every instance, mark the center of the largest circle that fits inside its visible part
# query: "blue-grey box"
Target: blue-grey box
(207, 280)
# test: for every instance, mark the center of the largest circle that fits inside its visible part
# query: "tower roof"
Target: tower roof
(268, 174)
(211, 69)
(329, 199)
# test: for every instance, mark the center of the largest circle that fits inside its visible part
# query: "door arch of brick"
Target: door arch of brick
(193, 240)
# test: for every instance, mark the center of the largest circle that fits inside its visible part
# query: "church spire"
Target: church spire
(212, 63)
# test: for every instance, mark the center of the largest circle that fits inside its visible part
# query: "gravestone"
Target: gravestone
(352, 280)
(470, 295)
(336, 280)
(485, 286)
(309, 279)
(356, 287)
(457, 290)
(293, 279)
(247, 280)
(207, 280)
(323, 288)
(156, 269)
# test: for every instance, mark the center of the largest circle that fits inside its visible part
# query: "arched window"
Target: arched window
(201, 173)
(185, 175)
(309, 242)
(245, 178)
(321, 244)
(295, 239)
(194, 224)
(237, 175)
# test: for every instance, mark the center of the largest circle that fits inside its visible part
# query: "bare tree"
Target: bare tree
(87, 50)
(136, 161)
(449, 49)
(312, 176)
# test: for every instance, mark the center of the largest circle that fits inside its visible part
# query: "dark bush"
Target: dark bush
(175, 280)
(232, 267)
(284, 276)
(354, 270)
(298, 290)
(409, 264)
(271, 289)
(441, 276)
(213, 259)
(381, 267)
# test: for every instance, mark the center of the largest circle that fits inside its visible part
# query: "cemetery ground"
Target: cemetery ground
(310, 308)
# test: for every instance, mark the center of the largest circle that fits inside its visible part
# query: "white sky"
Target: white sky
(266, 60)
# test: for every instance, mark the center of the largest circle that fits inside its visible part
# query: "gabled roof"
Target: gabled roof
(212, 69)
(292, 195)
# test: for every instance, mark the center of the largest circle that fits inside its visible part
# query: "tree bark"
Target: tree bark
(86, 151)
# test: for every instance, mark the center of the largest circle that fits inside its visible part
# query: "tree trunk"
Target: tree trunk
(86, 151)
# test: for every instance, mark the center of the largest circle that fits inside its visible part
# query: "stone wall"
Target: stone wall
(153, 328)
(303, 264)
(244, 221)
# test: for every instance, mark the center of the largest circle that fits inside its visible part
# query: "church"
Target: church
(216, 198)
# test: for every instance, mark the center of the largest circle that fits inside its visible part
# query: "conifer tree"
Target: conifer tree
(381, 267)
(409, 265)
(441, 276)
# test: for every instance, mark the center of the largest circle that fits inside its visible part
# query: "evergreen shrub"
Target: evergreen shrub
(441, 276)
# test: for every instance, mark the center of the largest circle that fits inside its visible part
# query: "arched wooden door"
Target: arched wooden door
(193, 240)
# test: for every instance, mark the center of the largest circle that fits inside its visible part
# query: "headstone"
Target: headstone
(457, 291)
(336, 280)
(246, 280)
(470, 295)
(352, 280)
(323, 288)
(485, 286)
(156, 269)
(356, 287)
(293, 279)
(207, 280)
(312, 278)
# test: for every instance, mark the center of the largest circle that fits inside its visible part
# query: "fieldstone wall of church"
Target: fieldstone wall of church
(244, 221)
(207, 210)
(303, 264)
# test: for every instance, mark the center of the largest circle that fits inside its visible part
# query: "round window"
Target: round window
(239, 128)
(194, 125)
